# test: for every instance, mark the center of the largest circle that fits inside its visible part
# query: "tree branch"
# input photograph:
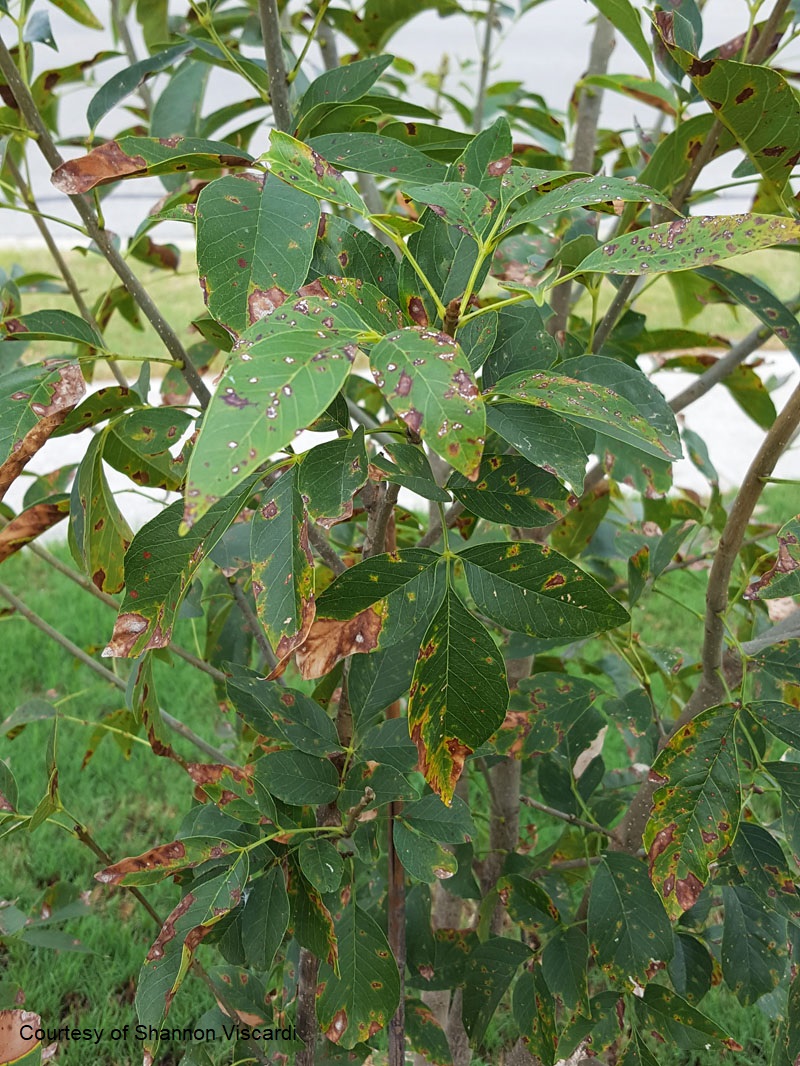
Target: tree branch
(273, 50)
(324, 550)
(565, 816)
(253, 623)
(100, 236)
(174, 723)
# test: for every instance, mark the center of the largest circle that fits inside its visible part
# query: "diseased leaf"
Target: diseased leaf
(511, 491)
(51, 326)
(99, 533)
(628, 927)
(689, 243)
(423, 858)
(528, 903)
(490, 970)
(459, 204)
(550, 707)
(306, 170)
(582, 193)
(207, 902)
(159, 567)
(428, 382)
(458, 696)
(310, 922)
(543, 438)
(780, 719)
(522, 343)
(535, 1013)
(782, 578)
(281, 713)
(425, 1035)
(255, 239)
(370, 154)
(283, 566)
(596, 407)
(343, 249)
(760, 301)
(272, 388)
(159, 862)
(80, 11)
(787, 776)
(412, 470)
(330, 475)
(451, 825)
(381, 19)
(34, 401)
(755, 103)
(663, 1012)
(137, 444)
(696, 810)
(139, 157)
(532, 589)
(691, 968)
(31, 523)
(358, 1002)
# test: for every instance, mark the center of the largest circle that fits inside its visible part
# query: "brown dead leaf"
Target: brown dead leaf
(330, 640)
(66, 392)
(102, 165)
(29, 525)
(12, 1045)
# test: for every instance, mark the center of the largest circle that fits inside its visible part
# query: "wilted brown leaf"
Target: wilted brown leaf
(28, 525)
(12, 1045)
(66, 392)
(101, 166)
(330, 640)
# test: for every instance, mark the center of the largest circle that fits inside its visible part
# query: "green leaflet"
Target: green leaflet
(371, 154)
(425, 1034)
(593, 406)
(330, 475)
(532, 589)
(451, 825)
(412, 470)
(544, 439)
(321, 863)
(691, 968)
(360, 1000)
(743, 383)
(343, 84)
(535, 1013)
(628, 927)
(51, 326)
(126, 81)
(140, 157)
(582, 193)
(99, 534)
(787, 776)
(755, 103)
(696, 809)
(297, 778)
(283, 566)
(306, 170)
(553, 706)
(781, 719)
(273, 388)
(80, 11)
(210, 898)
(528, 903)
(458, 696)
(343, 249)
(264, 919)
(663, 1012)
(511, 491)
(427, 379)
(403, 587)
(311, 923)
(689, 243)
(255, 240)
(159, 566)
(522, 342)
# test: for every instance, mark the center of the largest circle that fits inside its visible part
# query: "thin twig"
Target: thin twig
(324, 550)
(174, 723)
(565, 816)
(453, 514)
(378, 516)
(121, 30)
(483, 77)
(276, 67)
(100, 236)
(253, 623)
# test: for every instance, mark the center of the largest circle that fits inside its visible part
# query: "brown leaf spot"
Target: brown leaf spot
(745, 94)
(105, 164)
(337, 1027)
(168, 855)
(417, 312)
(29, 525)
(555, 581)
(168, 928)
(499, 166)
(127, 630)
(661, 842)
(404, 383)
(262, 302)
(688, 890)
(330, 640)
(12, 1045)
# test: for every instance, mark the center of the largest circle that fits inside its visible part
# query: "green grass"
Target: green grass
(128, 804)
